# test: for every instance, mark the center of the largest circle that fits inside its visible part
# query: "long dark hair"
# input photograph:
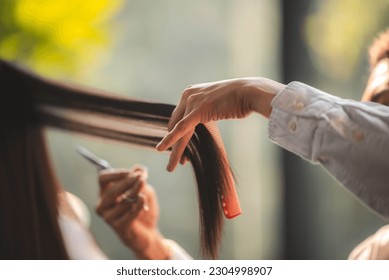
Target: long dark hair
(28, 190)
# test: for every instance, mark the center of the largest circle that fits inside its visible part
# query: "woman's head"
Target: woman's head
(377, 89)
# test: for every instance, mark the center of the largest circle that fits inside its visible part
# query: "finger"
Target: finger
(132, 193)
(112, 214)
(178, 150)
(109, 175)
(110, 196)
(177, 115)
(143, 197)
(179, 111)
(141, 168)
(183, 159)
(110, 199)
(184, 126)
(129, 216)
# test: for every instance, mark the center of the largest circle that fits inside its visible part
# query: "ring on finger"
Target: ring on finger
(127, 194)
(130, 199)
(145, 205)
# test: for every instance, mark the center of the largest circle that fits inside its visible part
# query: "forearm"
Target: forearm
(349, 139)
(156, 249)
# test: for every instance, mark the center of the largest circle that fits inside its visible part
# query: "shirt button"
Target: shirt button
(292, 126)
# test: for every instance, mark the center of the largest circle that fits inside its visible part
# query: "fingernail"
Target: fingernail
(169, 167)
(159, 146)
(146, 207)
(145, 170)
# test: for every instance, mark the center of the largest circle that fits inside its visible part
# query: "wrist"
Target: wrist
(260, 93)
(157, 249)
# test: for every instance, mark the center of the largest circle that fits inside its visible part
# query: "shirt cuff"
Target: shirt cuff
(295, 119)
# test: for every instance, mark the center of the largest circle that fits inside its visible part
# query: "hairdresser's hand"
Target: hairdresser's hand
(129, 205)
(202, 103)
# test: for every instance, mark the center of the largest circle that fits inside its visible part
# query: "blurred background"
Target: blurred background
(153, 49)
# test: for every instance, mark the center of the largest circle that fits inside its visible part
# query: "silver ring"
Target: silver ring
(145, 205)
(126, 196)
(127, 193)
(130, 199)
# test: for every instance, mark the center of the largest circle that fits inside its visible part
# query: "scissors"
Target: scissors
(102, 164)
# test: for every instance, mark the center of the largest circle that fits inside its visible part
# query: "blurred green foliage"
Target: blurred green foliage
(54, 36)
(338, 31)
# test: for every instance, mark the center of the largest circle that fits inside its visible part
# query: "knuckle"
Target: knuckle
(195, 101)
(136, 174)
(181, 125)
(187, 92)
(192, 98)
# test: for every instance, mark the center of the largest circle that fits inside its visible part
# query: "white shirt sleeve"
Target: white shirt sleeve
(176, 251)
(350, 139)
(79, 242)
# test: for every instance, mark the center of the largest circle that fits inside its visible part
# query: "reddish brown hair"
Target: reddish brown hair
(379, 49)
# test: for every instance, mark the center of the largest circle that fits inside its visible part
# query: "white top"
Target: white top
(350, 139)
(79, 242)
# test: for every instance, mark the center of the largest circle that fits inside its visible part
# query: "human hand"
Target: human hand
(129, 205)
(202, 103)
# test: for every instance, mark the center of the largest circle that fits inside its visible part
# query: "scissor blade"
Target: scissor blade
(98, 162)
